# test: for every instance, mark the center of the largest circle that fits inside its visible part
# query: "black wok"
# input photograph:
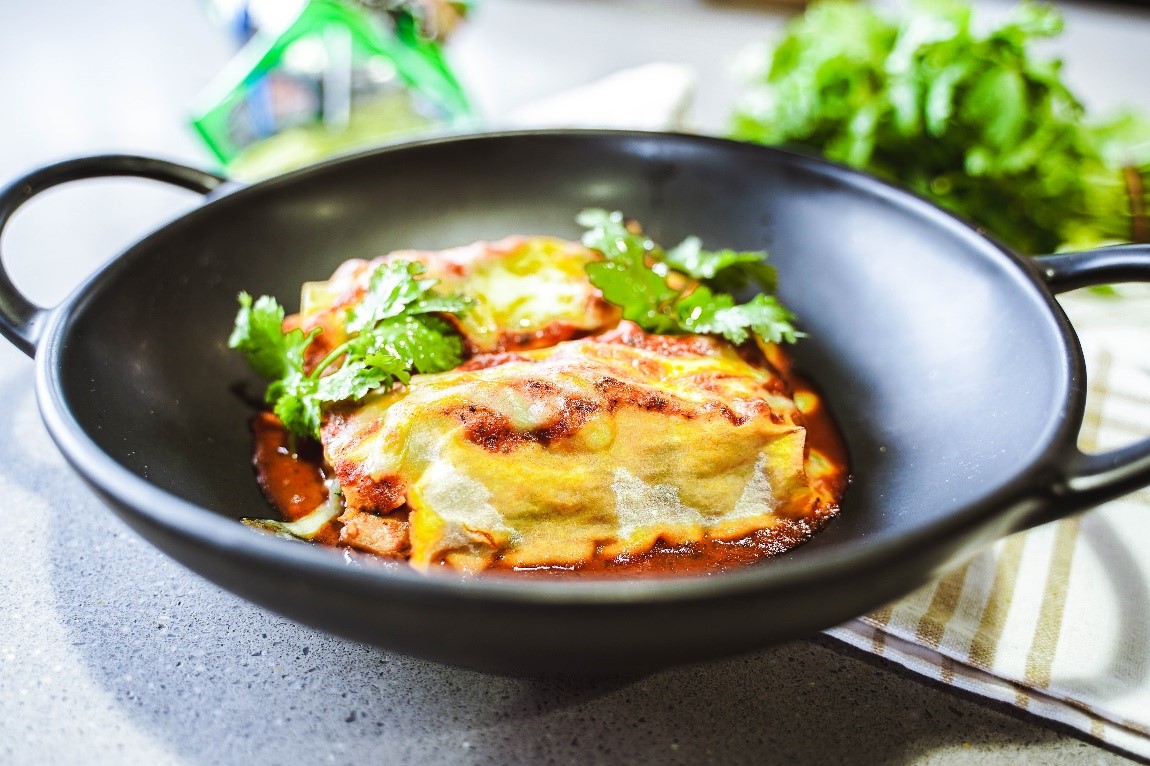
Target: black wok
(955, 377)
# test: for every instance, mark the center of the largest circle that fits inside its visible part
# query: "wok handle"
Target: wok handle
(1096, 478)
(21, 320)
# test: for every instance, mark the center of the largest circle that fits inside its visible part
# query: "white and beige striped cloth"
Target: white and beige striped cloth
(1055, 620)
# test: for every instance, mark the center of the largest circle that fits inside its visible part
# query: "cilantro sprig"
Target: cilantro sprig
(393, 331)
(683, 289)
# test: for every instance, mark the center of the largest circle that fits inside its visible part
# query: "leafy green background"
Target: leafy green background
(965, 115)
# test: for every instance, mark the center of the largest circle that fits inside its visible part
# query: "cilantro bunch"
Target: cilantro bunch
(397, 327)
(678, 290)
(968, 117)
(394, 330)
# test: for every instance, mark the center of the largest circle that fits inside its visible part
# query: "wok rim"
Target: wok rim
(200, 526)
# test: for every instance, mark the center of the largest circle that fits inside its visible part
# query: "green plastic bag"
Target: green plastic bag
(336, 79)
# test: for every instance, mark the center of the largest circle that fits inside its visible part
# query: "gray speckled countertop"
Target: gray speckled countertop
(110, 653)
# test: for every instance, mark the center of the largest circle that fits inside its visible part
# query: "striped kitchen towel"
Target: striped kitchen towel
(1055, 620)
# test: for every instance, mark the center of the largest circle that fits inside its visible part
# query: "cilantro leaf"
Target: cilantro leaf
(395, 329)
(422, 343)
(624, 277)
(294, 402)
(682, 290)
(608, 233)
(440, 304)
(718, 314)
(258, 333)
(354, 380)
(732, 269)
(642, 294)
(390, 289)
(690, 258)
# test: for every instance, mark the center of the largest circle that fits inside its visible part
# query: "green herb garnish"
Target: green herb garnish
(394, 330)
(680, 290)
(968, 115)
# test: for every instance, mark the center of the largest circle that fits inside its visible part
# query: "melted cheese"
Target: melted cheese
(528, 292)
(601, 446)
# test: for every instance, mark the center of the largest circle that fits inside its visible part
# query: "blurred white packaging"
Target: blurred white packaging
(653, 96)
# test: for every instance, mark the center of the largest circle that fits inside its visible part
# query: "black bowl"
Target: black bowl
(953, 374)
